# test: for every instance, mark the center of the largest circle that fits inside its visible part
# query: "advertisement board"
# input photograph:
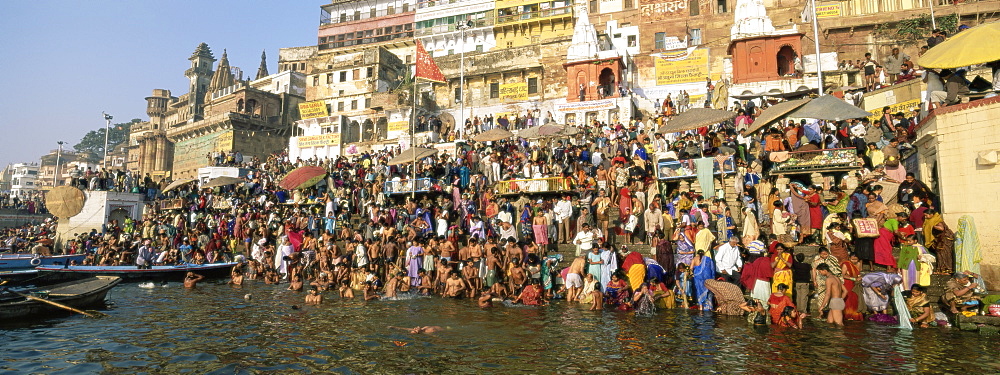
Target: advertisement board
(681, 67)
(313, 109)
(329, 139)
(514, 92)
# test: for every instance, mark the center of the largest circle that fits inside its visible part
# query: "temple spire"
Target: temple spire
(223, 76)
(262, 70)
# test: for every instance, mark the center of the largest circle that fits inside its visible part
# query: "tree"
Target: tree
(93, 141)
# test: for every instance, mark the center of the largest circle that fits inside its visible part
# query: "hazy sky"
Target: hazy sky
(66, 61)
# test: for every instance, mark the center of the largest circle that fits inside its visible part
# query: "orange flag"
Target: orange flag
(426, 68)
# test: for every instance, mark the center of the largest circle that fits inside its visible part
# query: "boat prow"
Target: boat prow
(79, 294)
(133, 273)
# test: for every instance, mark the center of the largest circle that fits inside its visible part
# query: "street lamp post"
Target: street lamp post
(461, 80)
(107, 132)
(55, 176)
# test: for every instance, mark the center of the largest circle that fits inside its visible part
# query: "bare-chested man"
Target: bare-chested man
(516, 277)
(447, 249)
(191, 280)
(420, 329)
(471, 275)
(237, 276)
(834, 296)
(314, 298)
(454, 287)
(296, 284)
(426, 284)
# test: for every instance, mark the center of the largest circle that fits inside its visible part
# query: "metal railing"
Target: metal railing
(441, 29)
(420, 185)
(534, 185)
(536, 14)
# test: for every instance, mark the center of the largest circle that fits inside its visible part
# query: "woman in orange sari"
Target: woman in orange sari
(852, 275)
(782, 262)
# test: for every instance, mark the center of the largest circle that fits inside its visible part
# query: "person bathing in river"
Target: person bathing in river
(191, 280)
(314, 298)
(420, 329)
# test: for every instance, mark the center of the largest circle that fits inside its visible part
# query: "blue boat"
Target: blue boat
(28, 261)
(133, 273)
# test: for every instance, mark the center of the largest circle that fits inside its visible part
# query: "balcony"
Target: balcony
(327, 17)
(535, 185)
(442, 29)
(534, 16)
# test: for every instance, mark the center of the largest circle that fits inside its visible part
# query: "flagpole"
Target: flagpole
(413, 123)
(819, 66)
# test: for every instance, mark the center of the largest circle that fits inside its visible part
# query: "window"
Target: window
(343, 76)
(368, 102)
(458, 95)
(479, 48)
(406, 7)
(532, 85)
(340, 92)
(631, 41)
(629, 4)
(494, 90)
(340, 106)
(510, 44)
(721, 6)
(370, 73)
(693, 7)
(409, 59)
(695, 37)
(451, 52)
(329, 78)
(658, 40)
(354, 104)
(593, 6)
(315, 80)
(357, 74)
(372, 13)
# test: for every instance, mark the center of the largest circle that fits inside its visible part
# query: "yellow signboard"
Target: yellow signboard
(904, 107)
(682, 67)
(513, 92)
(828, 10)
(398, 125)
(329, 139)
(314, 109)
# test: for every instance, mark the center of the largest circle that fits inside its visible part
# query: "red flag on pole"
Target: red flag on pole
(426, 68)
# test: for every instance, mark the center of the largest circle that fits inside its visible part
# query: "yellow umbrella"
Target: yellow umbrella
(969, 47)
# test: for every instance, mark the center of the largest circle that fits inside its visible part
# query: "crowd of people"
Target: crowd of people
(489, 221)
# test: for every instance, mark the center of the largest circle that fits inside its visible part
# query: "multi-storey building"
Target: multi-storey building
(222, 112)
(453, 26)
(528, 22)
(23, 179)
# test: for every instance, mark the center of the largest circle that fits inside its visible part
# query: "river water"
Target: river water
(214, 329)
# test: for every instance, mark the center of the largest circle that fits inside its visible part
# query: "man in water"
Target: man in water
(454, 287)
(191, 280)
(420, 329)
(834, 296)
(314, 298)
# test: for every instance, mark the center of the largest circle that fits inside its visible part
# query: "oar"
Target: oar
(59, 305)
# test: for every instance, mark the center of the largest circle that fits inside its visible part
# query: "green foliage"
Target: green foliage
(917, 28)
(93, 141)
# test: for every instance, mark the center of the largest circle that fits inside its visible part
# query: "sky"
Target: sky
(65, 62)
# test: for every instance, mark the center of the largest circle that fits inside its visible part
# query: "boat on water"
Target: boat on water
(79, 294)
(26, 261)
(9, 277)
(133, 273)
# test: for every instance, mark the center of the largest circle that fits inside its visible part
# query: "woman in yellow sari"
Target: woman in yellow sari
(782, 262)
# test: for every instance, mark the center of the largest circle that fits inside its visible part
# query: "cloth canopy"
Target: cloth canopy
(829, 107)
(411, 154)
(969, 47)
(222, 181)
(695, 118)
(775, 112)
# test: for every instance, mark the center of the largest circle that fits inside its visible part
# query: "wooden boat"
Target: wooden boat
(26, 261)
(9, 277)
(133, 273)
(78, 294)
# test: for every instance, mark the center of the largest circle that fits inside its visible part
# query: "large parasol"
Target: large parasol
(969, 47)
(178, 183)
(411, 154)
(775, 112)
(65, 201)
(829, 107)
(541, 131)
(222, 181)
(491, 135)
(302, 177)
(695, 118)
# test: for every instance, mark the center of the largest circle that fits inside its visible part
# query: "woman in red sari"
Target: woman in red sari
(624, 204)
(852, 274)
(815, 201)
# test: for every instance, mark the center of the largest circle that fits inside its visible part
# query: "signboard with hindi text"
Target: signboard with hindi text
(828, 10)
(652, 11)
(514, 92)
(901, 97)
(313, 109)
(587, 106)
(681, 67)
(329, 139)
(398, 126)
